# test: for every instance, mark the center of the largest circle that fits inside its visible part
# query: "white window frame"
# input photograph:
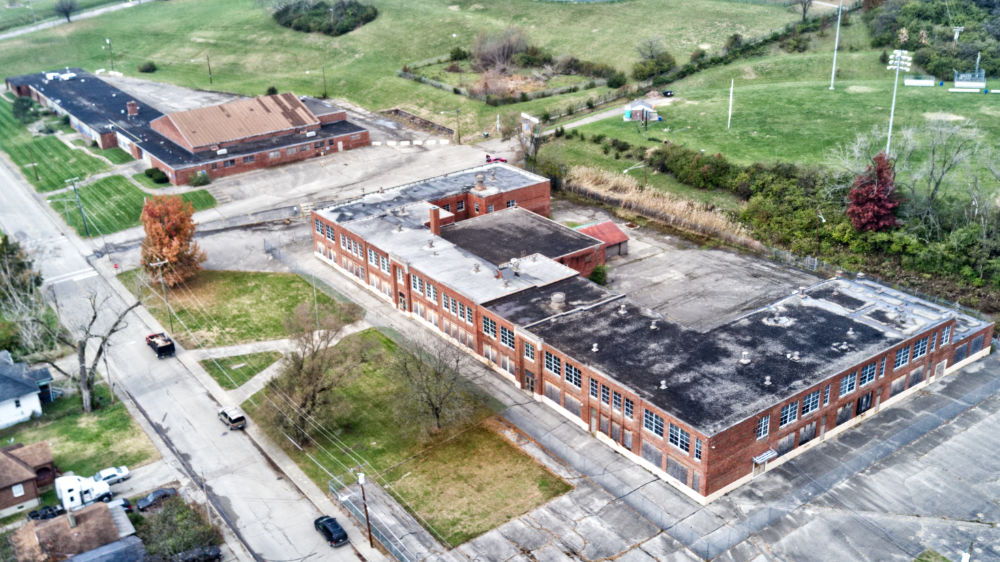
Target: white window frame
(17, 490)
(763, 426)
(529, 352)
(810, 403)
(652, 423)
(789, 414)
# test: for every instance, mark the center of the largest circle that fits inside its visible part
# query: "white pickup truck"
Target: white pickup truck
(75, 491)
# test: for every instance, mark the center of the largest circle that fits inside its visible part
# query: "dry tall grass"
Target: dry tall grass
(624, 191)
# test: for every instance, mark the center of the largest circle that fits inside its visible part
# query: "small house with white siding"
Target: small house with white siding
(22, 390)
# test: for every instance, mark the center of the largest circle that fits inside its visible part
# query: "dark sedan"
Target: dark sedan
(47, 512)
(331, 531)
(154, 498)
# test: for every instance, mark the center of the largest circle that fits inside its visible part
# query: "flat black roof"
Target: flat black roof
(515, 232)
(101, 107)
(531, 305)
(706, 385)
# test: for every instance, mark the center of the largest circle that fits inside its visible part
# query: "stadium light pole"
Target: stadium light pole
(111, 52)
(897, 60)
(159, 265)
(836, 44)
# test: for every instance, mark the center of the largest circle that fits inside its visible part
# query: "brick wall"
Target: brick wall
(7, 498)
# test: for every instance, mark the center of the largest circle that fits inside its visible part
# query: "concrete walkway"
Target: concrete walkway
(605, 114)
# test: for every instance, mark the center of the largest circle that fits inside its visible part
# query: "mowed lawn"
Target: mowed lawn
(783, 109)
(26, 12)
(55, 161)
(219, 308)
(114, 155)
(86, 443)
(461, 483)
(249, 52)
(232, 372)
(112, 204)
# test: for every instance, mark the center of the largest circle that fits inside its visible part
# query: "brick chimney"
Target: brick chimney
(71, 518)
(435, 220)
(132, 107)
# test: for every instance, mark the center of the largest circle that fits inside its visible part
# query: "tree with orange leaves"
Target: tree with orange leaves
(170, 237)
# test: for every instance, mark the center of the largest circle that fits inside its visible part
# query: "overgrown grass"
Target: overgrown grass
(230, 307)
(232, 372)
(931, 556)
(250, 52)
(55, 161)
(86, 443)
(461, 482)
(112, 204)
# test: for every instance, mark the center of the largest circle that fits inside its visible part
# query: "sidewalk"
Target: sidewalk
(62, 21)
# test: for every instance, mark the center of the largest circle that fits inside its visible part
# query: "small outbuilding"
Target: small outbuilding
(22, 390)
(640, 110)
(614, 241)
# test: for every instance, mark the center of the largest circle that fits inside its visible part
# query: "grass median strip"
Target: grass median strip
(232, 372)
(112, 204)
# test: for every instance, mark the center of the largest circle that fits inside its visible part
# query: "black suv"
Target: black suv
(47, 512)
(331, 531)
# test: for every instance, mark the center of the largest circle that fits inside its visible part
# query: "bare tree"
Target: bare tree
(650, 48)
(949, 145)
(434, 382)
(313, 369)
(65, 8)
(496, 50)
(804, 5)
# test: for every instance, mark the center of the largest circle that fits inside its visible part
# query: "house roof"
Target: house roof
(16, 380)
(639, 104)
(34, 455)
(241, 119)
(55, 539)
(515, 232)
(607, 232)
(13, 470)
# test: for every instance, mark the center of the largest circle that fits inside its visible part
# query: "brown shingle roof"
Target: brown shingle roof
(13, 470)
(54, 539)
(34, 455)
(240, 119)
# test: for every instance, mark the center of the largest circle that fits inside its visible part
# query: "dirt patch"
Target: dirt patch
(506, 85)
(860, 90)
(748, 73)
(454, 7)
(942, 116)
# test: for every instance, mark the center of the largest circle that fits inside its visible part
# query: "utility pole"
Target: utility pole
(836, 43)
(364, 499)
(163, 286)
(80, 205)
(209, 61)
(111, 52)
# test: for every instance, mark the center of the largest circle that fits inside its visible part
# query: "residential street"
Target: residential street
(261, 506)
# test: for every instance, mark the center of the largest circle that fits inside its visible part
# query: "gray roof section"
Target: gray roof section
(403, 235)
(16, 380)
(498, 178)
(515, 232)
(530, 306)
(838, 324)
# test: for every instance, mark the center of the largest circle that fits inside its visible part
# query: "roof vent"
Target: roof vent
(493, 174)
(850, 332)
(558, 300)
(745, 358)
(802, 293)
(506, 283)
(594, 348)
(652, 325)
(480, 178)
(475, 268)
(430, 244)
(399, 228)
(792, 355)
(767, 380)
(663, 384)
(622, 310)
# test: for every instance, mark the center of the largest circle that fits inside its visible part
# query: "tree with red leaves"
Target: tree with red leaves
(873, 198)
(169, 237)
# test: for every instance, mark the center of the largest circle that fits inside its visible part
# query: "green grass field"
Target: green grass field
(232, 372)
(146, 181)
(230, 307)
(784, 110)
(115, 155)
(56, 161)
(112, 204)
(86, 443)
(461, 483)
(249, 52)
(26, 12)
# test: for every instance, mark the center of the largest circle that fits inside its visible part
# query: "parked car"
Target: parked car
(161, 344)
(668, 93)
(47, 512)
(233, 417)
(494, 159)
(200, 554)
(113, 475)
(155, 497)
(332, 532)
(123, 502)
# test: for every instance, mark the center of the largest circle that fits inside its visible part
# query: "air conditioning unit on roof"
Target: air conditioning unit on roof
(222, 151)
(311, 134)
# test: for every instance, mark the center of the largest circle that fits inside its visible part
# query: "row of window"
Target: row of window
(378, 260)
(456, 308)
(676, 435)
(424, 288)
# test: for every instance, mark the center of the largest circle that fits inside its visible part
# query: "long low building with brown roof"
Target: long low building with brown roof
(220, 140)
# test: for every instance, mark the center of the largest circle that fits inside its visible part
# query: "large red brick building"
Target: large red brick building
(221, 140)
(705, 411)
